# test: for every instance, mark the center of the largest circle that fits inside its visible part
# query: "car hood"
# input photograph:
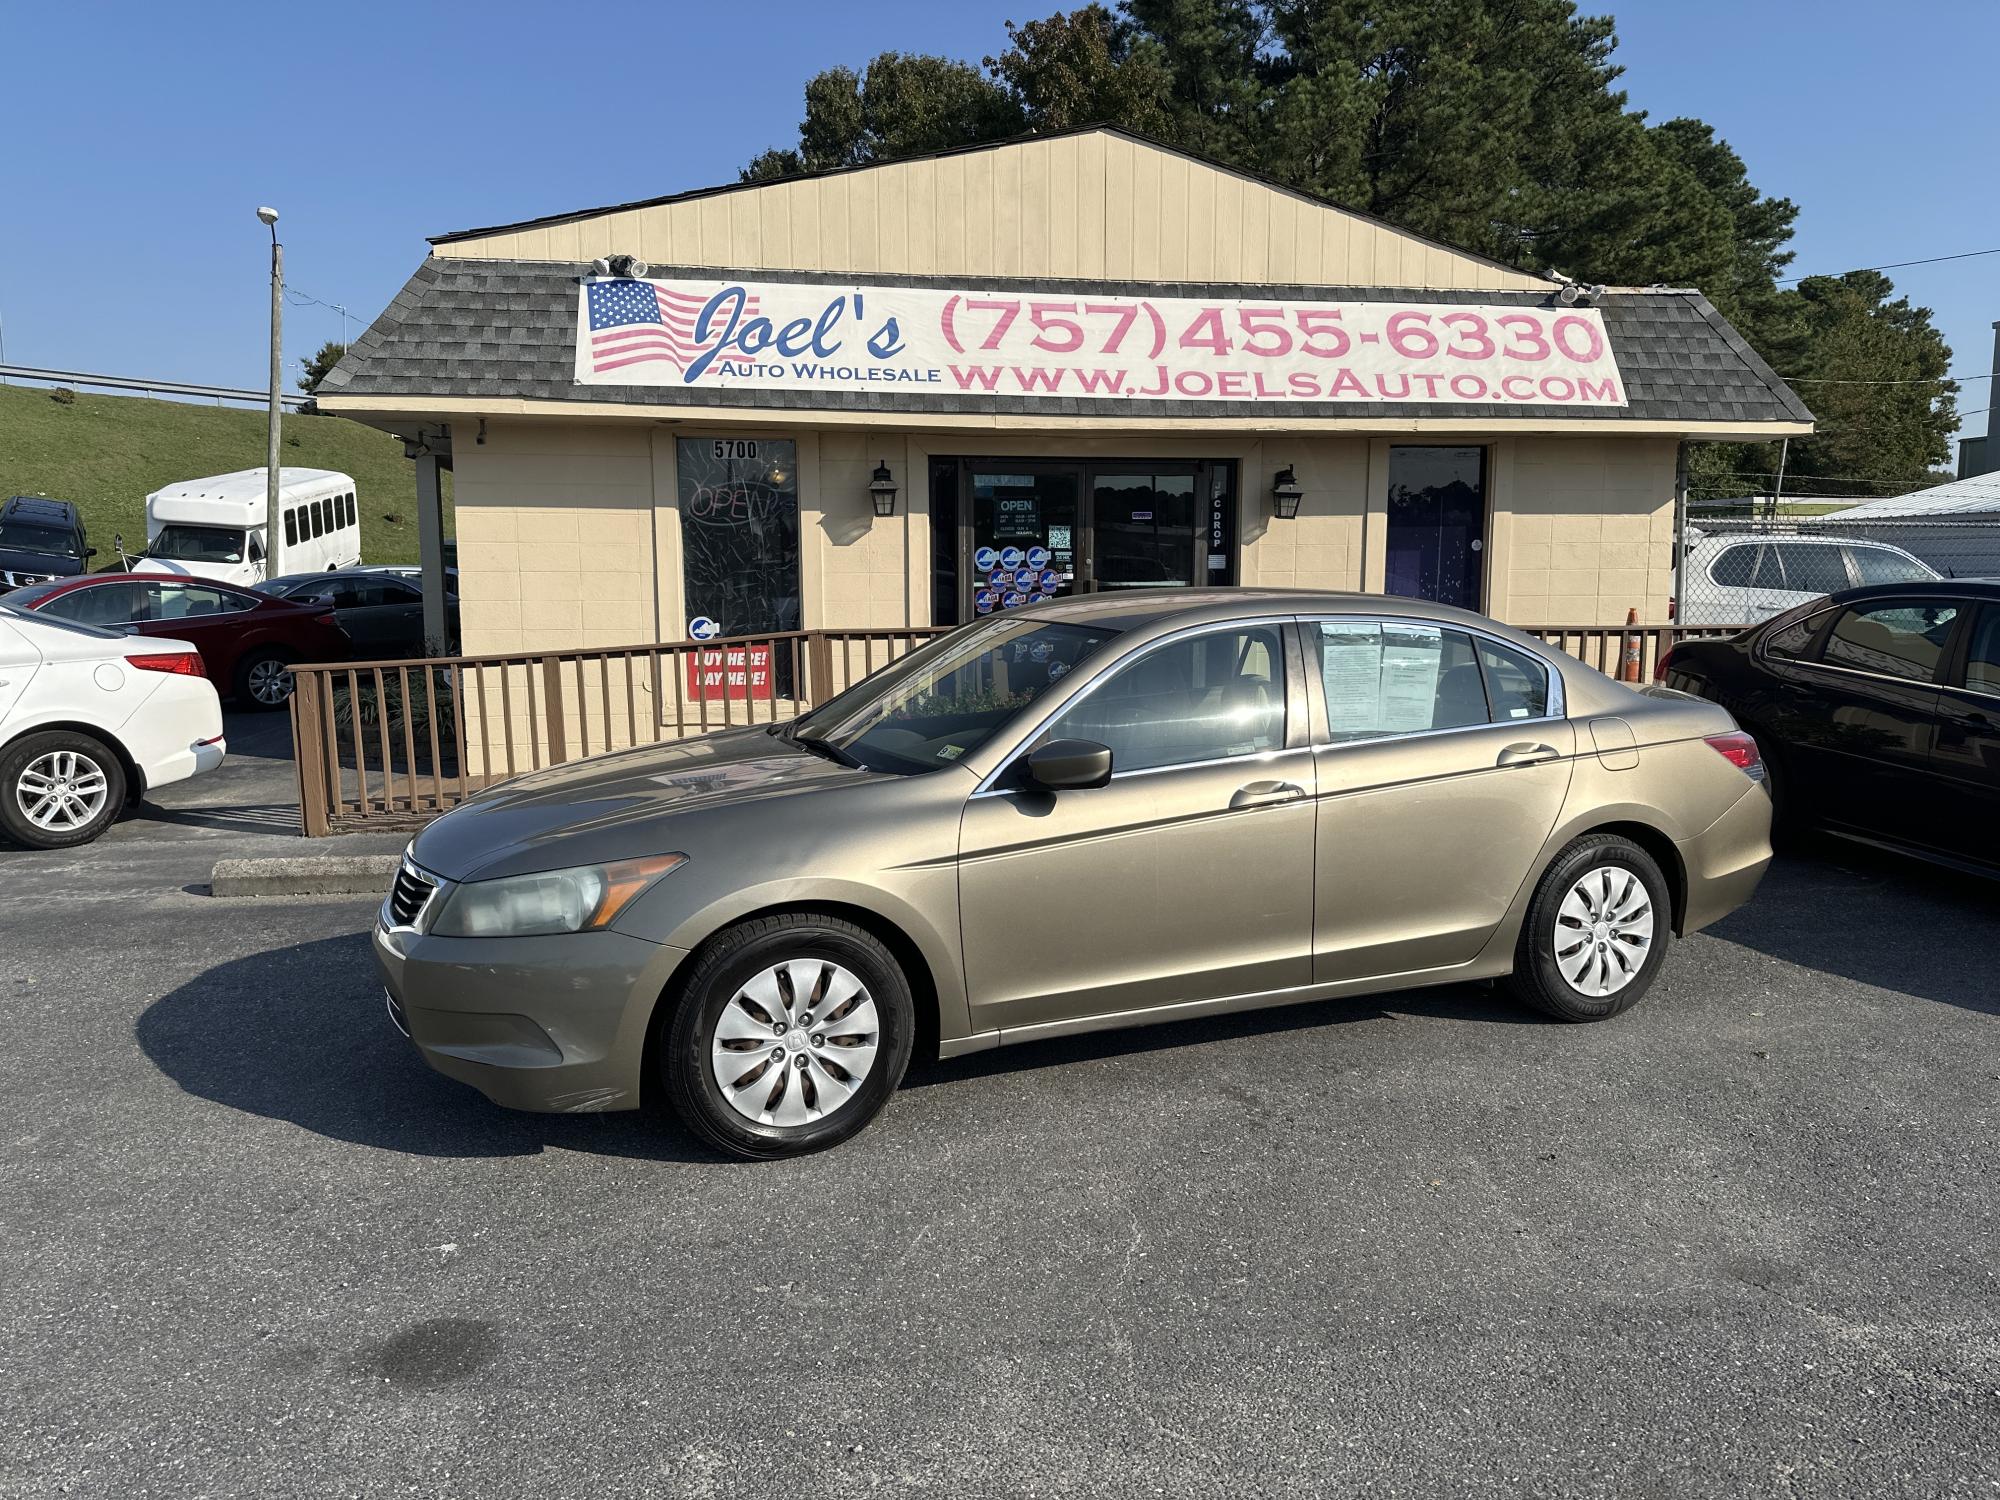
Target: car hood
(41, 564)
(614, 806)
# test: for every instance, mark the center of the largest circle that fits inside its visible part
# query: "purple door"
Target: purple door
(1437, 524)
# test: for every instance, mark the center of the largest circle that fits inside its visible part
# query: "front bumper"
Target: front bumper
(1725, 860)
(556, 1024)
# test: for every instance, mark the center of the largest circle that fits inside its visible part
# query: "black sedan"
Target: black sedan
(1878, 712)
(382, 613)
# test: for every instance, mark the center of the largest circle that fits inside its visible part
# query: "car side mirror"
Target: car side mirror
(1069, 765)
(90, 552)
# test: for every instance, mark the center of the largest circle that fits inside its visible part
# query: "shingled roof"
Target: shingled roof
(466, 329)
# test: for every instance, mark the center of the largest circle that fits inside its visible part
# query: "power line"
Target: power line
(1821, 478)
(305, 299)
(1842, 380)
(1894, 265)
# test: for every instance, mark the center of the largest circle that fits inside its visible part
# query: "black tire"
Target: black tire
(716, 980)
(1538, 980)
(1786, 825)
(254, 672)
(94, 759)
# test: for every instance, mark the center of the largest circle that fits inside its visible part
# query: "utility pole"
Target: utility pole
(268, 217)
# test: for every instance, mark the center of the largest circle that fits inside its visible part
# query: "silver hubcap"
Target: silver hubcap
(62, 791)
(1604, 930)
(270, 682)
(795, 1043)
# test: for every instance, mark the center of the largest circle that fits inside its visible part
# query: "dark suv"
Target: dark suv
(39, 540)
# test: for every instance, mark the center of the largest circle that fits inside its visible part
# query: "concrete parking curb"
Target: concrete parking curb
(310, 875)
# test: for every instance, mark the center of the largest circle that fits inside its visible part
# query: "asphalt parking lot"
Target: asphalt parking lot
(1742, 1241)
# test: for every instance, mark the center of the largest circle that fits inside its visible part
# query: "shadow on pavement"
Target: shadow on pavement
(300, 1034)
(250, 817)
(1879, 919)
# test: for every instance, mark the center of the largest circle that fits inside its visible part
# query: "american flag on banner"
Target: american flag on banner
(633, 322)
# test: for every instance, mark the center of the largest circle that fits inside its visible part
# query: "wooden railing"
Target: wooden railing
(383, 744)
(1622, 650)
(389, 744)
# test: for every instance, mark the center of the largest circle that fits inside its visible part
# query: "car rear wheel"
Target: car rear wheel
(1596, 932)
(789, 1035)
(264, 680)
(59, 789)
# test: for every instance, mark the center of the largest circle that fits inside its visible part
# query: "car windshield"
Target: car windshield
(951, 697)
(210, 544)
(24, 536)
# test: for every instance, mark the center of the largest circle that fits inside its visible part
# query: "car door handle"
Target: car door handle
(1265, 794)
(1526, 753)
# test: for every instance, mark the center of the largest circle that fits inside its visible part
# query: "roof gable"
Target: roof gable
(1098, 203)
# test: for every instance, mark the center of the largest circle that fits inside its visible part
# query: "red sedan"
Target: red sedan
(247, 640)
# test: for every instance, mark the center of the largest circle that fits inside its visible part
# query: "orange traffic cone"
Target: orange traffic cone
(1629, 672)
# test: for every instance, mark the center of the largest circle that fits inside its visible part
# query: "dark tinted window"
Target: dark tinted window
(105, 604)
(1791, 641)
(291, 528)
(1812, 569)
(1896, 638)
(1205, 698)
(1517, 685)
(1735, 567)
(1982, 655)
(1387, 678)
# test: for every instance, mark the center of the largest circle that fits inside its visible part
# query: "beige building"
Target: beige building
(916, 393)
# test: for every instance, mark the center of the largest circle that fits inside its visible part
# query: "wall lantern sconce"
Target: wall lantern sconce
(1286, 493)
(882, 489)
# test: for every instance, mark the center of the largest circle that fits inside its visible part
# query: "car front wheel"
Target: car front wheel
(59, 789)
(789, 1034)
(1596, 932)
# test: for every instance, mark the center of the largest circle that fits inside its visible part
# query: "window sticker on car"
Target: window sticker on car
(950, 752)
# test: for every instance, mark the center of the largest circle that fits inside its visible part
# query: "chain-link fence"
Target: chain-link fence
(1737, 571)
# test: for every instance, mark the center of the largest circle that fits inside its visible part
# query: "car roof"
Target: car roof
(1948, 588)
(1127, 609)
(27, 505)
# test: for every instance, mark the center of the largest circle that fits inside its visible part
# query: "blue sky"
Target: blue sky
(128, 242)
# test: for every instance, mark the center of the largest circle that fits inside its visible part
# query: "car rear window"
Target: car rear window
(1881, 565)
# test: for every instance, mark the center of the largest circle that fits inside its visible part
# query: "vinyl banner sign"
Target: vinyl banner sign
(783, 336)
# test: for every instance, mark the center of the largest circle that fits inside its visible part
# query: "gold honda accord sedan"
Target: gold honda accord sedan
(1102, 811)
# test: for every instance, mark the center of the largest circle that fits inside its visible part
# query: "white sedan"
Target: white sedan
(90, 721)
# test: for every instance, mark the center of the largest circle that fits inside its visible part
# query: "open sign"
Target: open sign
(735, 673)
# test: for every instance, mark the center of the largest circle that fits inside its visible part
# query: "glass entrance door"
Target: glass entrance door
(1142, 528)
(1032, 529)
(1025, 533)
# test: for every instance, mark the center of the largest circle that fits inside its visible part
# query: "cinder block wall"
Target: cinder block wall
(1583, 529)
(555, 537)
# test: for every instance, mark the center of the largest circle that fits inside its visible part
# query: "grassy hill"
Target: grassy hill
(107, 453)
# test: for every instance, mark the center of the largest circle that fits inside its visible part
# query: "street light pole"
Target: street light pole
(269, 218)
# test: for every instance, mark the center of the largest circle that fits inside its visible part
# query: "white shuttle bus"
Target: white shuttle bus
(217, 527)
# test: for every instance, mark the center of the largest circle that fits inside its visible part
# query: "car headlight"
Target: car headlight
(575, 900)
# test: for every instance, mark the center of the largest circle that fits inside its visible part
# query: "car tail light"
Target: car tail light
(1740, 751)
(325, 619)
(181, 663)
